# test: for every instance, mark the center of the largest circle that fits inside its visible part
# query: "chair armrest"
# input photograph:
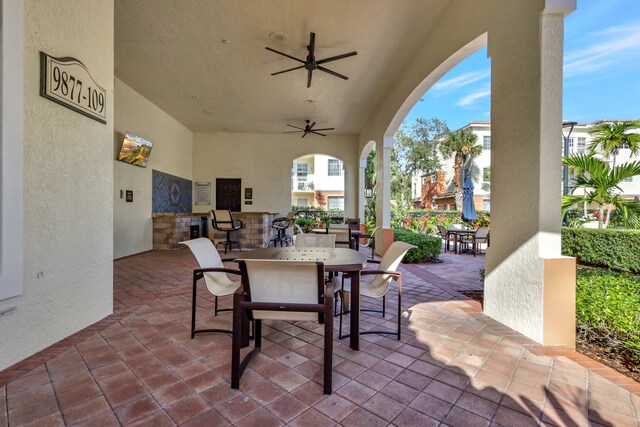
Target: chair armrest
(373, 261)
(395, 274)
(228, 259)
(217, 270)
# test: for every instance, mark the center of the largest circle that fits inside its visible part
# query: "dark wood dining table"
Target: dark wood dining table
(344, 260)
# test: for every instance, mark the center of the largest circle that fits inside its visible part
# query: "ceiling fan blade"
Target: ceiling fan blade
(333, 73)
(295, 127)
(315, 130)
(293, 131)
(309, 77)
(284, 54)
(286, 71)
(335, 58)
(318, 133)
(312, 125)
(304, 134)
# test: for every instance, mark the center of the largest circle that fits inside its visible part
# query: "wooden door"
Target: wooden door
(228, 194)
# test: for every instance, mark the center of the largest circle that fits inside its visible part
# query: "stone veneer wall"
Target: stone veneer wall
(169, 230)
(255, 233)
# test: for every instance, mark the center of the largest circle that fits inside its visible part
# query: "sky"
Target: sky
(601, 71)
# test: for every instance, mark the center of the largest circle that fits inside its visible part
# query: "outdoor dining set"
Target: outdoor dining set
(464, 239)
(298, 283)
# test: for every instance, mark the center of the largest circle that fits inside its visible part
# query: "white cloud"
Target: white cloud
(460, 81)
(614, 46)
(473, 97)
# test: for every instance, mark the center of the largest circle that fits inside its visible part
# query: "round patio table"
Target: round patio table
(459, 232)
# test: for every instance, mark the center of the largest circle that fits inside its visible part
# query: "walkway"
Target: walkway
(453, 367)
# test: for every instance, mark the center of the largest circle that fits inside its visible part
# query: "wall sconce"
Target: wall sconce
(368, 192)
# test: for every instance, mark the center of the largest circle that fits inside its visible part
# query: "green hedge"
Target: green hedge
(428, 247)
(608, 310)
(612, 248)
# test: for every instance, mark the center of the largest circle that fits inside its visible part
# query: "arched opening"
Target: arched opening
(317, 183)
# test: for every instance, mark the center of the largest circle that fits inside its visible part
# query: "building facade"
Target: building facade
(317, 172)
(435, 190)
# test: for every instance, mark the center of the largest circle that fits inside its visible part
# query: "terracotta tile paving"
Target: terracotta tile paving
(453, 366)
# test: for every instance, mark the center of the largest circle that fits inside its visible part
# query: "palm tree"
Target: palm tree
(462, 144)
(600, 182)
(609, 137)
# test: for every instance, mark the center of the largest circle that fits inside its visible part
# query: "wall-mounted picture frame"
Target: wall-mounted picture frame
(129, 196)
(248, 193)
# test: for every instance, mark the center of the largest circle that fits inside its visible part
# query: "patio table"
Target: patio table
(457, 232)
(347, 261)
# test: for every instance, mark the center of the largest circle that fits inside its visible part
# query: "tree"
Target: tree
(601, 184)
(462, 145)
(418, 145)
(319, 196)
(609, 137)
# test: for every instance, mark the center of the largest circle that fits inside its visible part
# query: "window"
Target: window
(434, 178)
(424, 180)
(302, 201)
(335, 167)
(630, 179)
(486, 204)
(571, 143)
(302, 169)
(624, 145)
(582, 143)
(335, 202)
(486, 142)
(486, 174)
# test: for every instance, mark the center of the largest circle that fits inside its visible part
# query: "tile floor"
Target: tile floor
(453, 366)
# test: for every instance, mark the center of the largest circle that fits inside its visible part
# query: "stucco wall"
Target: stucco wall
(270, 156)
(171, 153)
(68, 184)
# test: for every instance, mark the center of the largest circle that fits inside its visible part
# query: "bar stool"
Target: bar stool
(280, 235)
(223, 221)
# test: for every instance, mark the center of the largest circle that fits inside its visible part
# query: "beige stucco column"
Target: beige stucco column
(361, 184)
(383, 193)
(529, 286)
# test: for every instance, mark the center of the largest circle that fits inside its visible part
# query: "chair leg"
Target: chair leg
(328, 349)
(399, 284)
(215, 305)
(235, 343)
(384, 304)
(193, 309)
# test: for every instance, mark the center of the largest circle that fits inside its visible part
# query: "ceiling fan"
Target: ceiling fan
(308, 129)
(310, 63)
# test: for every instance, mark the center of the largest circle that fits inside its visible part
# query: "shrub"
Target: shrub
(611, 248)
(608, 310)
(428, 247)
(306, 224)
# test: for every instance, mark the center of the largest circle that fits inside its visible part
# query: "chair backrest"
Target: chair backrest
(292, 214)
(482, 232)
(342, 236)
(222, 220)
(442, 230)
(292, 282)
(353, 223)
(339, 226)
(457, 226)
(313, 240)
(390, 262)
(208, 257)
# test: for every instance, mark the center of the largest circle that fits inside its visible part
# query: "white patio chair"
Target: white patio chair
(215, 277)
(313, 240)
(281, 290)
(380, 285)
(343, 236)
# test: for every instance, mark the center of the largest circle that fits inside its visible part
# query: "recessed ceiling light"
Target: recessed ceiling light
(226, 41)
(278, 36)
(308, 101)
(195, 98)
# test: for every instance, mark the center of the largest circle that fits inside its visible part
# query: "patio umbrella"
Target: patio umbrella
(468, 208)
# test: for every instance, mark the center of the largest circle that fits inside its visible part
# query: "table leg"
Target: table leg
(355, 311)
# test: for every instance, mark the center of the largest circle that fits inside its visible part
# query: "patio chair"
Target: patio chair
(343, 235)
(371, 237)
(281, 290)
(380, 285)
(480, 236)
(215, 277)
(280, 235)
(313, 240)
(445, 235)
(223, 221)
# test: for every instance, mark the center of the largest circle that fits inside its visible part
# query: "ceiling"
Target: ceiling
(204, 62)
